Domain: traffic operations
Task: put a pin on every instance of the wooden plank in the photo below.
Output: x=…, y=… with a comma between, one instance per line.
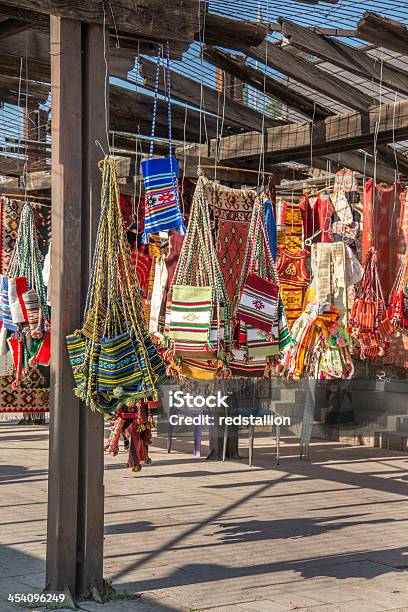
x=66, y=303
x=272, y=87
x=384, y=32
x=331, y=135
x=232, y=34
x=129, y=107
x=34, y=46
x=364, y=164
x=91, y=425
x=12, y=26
x=189, y=91
x=346, y=57
x=36, y=20
x=342, y=32
x=164, y=19
x=310, y=75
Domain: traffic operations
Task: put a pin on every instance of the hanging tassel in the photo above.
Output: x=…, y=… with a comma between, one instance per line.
x=42, y=355
x=112, y=442
x=16, y=348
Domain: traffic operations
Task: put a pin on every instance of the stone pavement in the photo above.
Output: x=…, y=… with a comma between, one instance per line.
x=194, y=535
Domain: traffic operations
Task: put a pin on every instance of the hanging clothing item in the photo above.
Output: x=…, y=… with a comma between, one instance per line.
x=270, y=226
x=175, y=246
x=142, y=262
x=322, y=212
x=320, y=349
x=294, y=279
x=291, y=233
x=402, y=231
x=317, y=214
x=380, y=227
x=329, y=276
x=342, y=207
x=160, y=280
x=345, y=180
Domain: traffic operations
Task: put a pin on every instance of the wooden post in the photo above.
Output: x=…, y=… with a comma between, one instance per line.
x=66, y=86
x=76, y=493
x=91, y=490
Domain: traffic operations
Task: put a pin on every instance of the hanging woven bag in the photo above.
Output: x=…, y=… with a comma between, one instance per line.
x=259, y=298
x=160, y=176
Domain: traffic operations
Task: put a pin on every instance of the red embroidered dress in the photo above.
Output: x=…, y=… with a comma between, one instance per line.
x=293, y=279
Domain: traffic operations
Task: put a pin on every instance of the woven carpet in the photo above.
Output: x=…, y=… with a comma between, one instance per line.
x=231, y=211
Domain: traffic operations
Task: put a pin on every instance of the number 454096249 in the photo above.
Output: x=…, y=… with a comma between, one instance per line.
x=36, y=597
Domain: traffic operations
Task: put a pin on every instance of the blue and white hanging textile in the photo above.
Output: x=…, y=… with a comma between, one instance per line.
x=160, y=177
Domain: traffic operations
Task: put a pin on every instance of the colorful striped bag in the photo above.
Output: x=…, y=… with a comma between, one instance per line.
x=259, y=299
x=258, y=305
x=160, y=177
x=191, y=313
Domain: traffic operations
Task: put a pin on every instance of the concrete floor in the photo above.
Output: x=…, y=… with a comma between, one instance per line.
x=191, y=535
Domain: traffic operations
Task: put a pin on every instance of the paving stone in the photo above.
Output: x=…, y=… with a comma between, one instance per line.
x=191, y=535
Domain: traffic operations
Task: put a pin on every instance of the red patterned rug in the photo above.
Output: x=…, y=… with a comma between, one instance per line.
x=231, y=211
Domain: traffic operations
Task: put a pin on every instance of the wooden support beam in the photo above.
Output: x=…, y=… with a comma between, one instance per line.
x=163, y=19
x=384, y=32
x=188, y=91
x=91, y=425
x=75, y=494
x=11, y=26
x=31, y=93
x=66, y=303
x=34, y=19
x=38, y=60
x=331, y=135
x=359, y=162
x=232, y=34
x=272, y=87
x=346, y=57
x=310, y=75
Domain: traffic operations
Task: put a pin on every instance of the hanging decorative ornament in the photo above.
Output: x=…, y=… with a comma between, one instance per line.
x=160, y=175
x=113, y=358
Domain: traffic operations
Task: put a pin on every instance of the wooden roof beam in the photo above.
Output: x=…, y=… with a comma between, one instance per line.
x=11, y=26
x=331, y=135
x=189, y=91
x=353, y=60
x=384, y=32
x=309, y=74
x=272, y=87
x=230, y=33
x=164, y=19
